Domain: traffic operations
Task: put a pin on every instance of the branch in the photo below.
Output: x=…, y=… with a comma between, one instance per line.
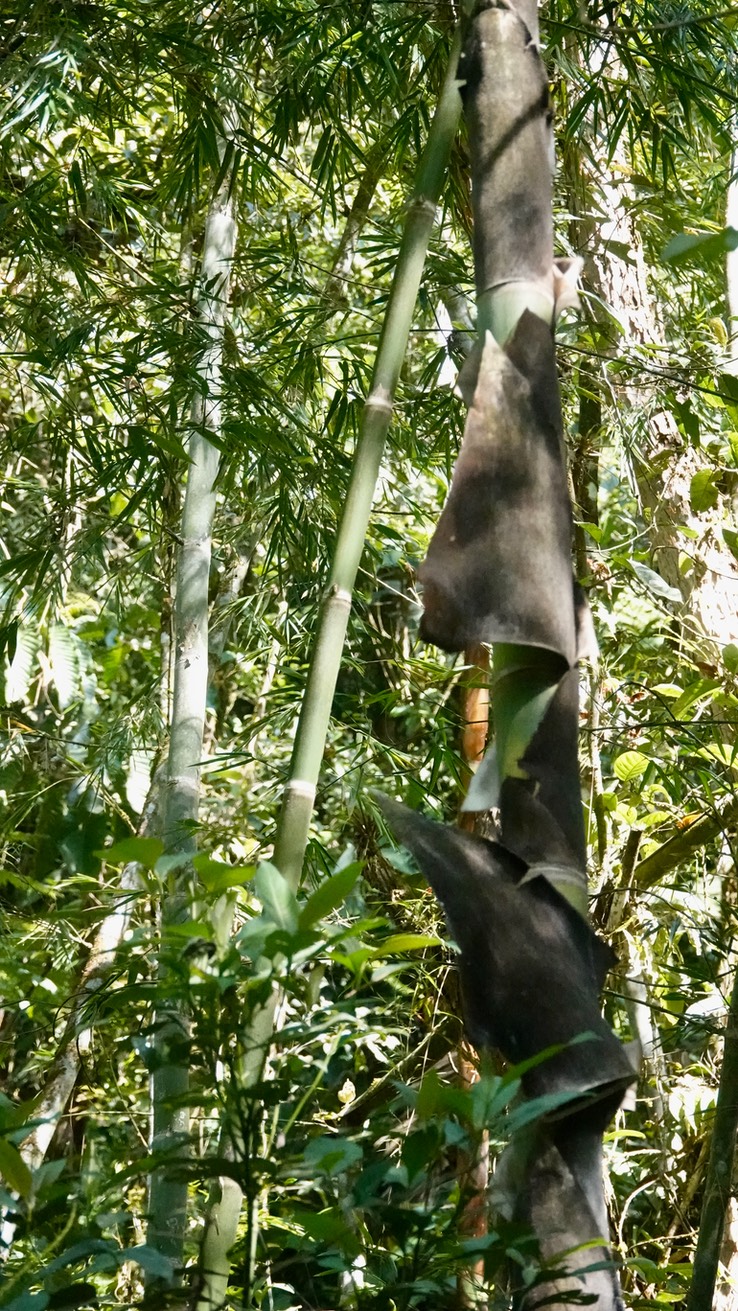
x=696, y=833
x=335, y=286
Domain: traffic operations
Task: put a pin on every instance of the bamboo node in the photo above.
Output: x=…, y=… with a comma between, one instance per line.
x=379, y=401
x=301, y=788
x=340, y=595
x=424, y=205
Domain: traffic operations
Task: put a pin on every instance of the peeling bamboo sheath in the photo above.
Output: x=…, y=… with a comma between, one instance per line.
x=499, y=571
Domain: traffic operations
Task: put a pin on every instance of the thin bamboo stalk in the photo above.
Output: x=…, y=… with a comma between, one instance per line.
x=167, y=1203
x=312, y=728
x=719, y=1176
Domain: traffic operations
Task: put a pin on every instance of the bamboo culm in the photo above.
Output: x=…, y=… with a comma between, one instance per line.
x=312, y=728
x=167, y=1204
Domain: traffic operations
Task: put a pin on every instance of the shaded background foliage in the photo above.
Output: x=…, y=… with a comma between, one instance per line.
x=113, y=120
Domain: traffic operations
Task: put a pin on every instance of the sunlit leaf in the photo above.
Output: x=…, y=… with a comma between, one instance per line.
x=276, y=896
x=654, y=582
x=630, y=765
x=331, y=894
x=218, y=877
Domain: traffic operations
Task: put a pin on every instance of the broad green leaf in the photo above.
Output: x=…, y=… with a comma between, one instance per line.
x=144, y=851
x=420, y=1148
x=592, y=530
x=329, y=1228
x=722, y=752
x=701, y=689
x=655, y=817
x=332, y=1155
x=700, y=246
x=654, y=582
x=14, y=1169
x=630, y=765
x=438, y=1098
x=276, y=896
x=401, y=942
x=27, y=1302
x=190, y=929
x=703, y=494
x=331, y=894
x=217, y=876
x=150, y=1260
x=82, y=1251
x=490, y=1095
x=11, y=1113
x=171, y=862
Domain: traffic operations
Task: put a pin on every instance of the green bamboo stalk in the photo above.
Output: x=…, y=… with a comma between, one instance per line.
x=221, y=1227
x=719, y=1177
x=307, y=755
x=312, y=728
x=167, y=1203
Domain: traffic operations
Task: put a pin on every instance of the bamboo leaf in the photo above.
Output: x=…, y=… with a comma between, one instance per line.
x=331, y=894
x=150, y=1260
x=14, y=1169
x=700, y=246
x=64, y=663
x=276, y=896
x=218, y=877
x=145, y=851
